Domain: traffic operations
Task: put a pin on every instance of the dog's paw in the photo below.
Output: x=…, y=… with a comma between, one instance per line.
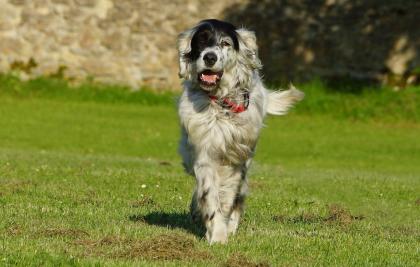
x=219, y=237
x=217, y=233
x=233, y=222
x=232, y=227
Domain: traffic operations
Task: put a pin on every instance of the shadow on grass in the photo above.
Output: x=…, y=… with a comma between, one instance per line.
x=172, y=220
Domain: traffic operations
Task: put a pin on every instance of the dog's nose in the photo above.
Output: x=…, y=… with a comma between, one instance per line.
x=210, y=58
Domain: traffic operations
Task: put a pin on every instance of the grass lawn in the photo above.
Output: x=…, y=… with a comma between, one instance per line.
x=87, y=181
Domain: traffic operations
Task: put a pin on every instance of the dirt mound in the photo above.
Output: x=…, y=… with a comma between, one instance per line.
x=161, y=247
x=240, y=260
x=336, y=214
x=63, y=232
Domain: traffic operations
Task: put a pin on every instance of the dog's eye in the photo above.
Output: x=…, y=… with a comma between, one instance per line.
x=225, y=44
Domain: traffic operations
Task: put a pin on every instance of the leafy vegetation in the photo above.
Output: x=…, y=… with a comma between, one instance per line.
x=59, y=89
x=341, y=100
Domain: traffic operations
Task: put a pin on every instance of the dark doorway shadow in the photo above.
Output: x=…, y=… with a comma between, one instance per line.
x=170, y=220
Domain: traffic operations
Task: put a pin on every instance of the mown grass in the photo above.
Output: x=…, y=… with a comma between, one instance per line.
x=93, y=178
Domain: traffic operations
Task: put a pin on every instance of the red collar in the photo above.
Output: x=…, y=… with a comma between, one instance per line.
x=232, y=106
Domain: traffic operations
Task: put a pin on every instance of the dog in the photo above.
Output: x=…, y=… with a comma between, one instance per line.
x=221, y=110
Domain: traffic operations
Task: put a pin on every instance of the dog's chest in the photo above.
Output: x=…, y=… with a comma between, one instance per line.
x=226, y=137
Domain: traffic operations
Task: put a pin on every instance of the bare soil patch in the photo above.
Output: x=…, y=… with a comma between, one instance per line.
x=162, y=247
x=14, y=186
x=63, y=232
x=240, y=260
x=336, y=214
x=145, y=201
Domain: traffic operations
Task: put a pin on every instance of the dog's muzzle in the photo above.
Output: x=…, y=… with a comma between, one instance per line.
x=209, y=78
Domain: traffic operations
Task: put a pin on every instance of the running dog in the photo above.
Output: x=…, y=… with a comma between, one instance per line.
x=221, y=111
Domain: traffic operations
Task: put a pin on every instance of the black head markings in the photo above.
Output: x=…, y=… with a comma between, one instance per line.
x=208, y=34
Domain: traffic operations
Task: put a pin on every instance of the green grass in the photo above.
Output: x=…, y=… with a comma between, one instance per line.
x=340, y=100
x=59, y=89
x=93, y=178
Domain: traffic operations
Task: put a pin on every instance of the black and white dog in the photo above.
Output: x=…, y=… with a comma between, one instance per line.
x=221, y=110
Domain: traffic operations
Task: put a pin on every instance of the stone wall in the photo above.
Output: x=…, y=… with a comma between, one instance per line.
x=373, y=40
x=123, y=41
x=133, y=41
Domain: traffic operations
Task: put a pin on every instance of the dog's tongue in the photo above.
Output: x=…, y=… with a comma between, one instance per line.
x=209, y=78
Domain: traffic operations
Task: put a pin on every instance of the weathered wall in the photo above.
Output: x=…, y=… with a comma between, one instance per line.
x=365, y=39
x=133, y=41
x=128, y=41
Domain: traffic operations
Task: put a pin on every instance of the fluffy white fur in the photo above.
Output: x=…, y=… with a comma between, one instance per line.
x=217, y=146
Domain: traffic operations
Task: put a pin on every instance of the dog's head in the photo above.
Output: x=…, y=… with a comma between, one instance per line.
x=215, y=54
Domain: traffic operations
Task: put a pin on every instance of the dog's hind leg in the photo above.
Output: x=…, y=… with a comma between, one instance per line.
x=207, y=201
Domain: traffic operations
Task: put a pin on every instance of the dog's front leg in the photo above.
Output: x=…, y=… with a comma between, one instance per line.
x=237, y=208
x=232, y=193
x=207, y=198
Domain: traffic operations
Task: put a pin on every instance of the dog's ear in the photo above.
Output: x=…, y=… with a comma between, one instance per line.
x=184, y=47
x=248, y=48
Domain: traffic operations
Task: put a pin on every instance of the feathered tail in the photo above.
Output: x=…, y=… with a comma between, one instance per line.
x=279, y=102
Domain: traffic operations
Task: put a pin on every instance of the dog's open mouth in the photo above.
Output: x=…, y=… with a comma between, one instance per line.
x=209, y=78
